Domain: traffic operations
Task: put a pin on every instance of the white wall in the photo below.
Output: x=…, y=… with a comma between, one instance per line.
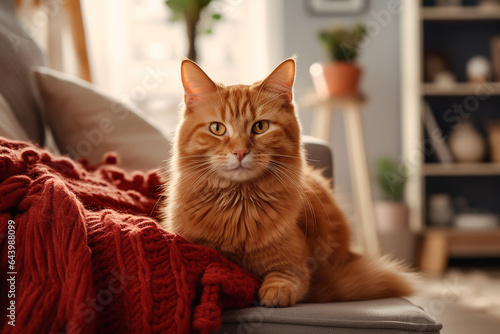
x=380, y=82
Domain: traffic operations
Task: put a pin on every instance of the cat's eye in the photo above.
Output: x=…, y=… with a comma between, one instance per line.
x=260, y=127
x=217, y=128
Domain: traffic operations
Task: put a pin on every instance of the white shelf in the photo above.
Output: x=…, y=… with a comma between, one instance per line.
x=461, y=169
x=462, y=89
x=458, y=13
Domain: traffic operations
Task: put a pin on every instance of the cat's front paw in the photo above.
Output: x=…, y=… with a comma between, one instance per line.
x=282, y=295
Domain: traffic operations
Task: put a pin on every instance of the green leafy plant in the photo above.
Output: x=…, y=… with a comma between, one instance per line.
x=191, y=12
x=391, y=178
x=342, y=44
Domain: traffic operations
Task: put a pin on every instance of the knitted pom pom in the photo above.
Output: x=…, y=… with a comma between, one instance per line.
x=30, y=156
x=111, y=158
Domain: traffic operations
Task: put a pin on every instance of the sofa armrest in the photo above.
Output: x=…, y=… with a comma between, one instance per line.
x=319, y=155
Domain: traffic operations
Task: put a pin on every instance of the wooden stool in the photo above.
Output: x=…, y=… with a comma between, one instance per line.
x=360, y=175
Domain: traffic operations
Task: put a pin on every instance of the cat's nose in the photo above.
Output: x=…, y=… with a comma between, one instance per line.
x=240, y=154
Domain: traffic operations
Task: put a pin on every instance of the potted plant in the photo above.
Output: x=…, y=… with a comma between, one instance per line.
x=340, y=75
x=391, y=211
x=191, y=12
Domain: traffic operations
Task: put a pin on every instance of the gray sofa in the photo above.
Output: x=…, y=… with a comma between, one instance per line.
x=25, y=116
x=382, y=316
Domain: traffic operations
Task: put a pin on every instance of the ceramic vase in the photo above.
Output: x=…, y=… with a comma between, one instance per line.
x=440, y=210
x=478, y=69
x=467, y=144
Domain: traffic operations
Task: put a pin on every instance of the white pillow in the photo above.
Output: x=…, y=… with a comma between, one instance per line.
x=87, y=123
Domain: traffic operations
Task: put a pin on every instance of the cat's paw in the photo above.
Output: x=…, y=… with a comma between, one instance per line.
x=282, y=295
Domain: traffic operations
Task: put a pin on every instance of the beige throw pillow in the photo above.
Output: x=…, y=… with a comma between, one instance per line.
x=87, y=123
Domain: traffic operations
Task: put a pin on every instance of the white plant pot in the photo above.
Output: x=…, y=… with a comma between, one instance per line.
x=396, y=239
x=391, y=216
x=400, y=245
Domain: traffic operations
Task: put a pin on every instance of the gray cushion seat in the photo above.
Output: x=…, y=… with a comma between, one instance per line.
x=391, y=315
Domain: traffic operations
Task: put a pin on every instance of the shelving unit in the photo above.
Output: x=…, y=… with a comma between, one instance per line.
x=463, y=32
x=455, y=169
x=461, y=89
x=459, y=13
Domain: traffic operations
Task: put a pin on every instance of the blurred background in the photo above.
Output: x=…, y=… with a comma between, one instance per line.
x=128, y=41
x=406, y=93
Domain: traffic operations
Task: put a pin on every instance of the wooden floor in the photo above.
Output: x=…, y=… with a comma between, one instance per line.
x=448, y=308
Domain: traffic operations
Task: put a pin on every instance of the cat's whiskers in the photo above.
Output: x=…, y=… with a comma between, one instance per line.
x=301, y=174
x=194, y=156
x=163, y=170
x=156, y=204
x=304, y=200
x=188, y=193
x=167, y=170
x=280, y=155
x=192, y=167
x=211, y=170
x=178, y=182
x=286, y=156
x=282, y=173
x=309, y=204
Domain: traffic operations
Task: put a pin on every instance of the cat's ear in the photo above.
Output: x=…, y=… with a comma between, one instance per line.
x=196, y=83
x=281, y=79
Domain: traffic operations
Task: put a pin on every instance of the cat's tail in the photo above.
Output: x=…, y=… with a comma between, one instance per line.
x=362, y=278
x=369, y=278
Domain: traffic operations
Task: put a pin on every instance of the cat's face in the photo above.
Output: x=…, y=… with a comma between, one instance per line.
x=241, y=132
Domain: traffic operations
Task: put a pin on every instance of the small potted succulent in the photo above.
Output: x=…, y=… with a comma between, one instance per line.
x=340, y=75
x=391, y=210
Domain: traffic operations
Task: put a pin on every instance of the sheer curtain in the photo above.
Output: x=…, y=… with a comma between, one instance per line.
x=135, y=51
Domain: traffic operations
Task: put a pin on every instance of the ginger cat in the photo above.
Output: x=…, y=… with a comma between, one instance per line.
x=239, y=183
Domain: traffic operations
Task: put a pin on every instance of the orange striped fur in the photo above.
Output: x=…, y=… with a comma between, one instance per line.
x=253, y=197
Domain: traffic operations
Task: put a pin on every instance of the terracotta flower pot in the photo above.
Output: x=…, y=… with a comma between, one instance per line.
x=338, y=78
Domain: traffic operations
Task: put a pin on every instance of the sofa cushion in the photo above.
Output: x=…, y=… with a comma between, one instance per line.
x=87, y=123
x=19, y=53
x=319, y=155
x=9, y=124
x=391, y=315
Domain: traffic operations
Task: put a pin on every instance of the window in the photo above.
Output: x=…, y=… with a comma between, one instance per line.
x=135, y=51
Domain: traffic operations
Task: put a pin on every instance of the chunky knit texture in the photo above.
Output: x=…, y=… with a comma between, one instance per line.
x=89, y=258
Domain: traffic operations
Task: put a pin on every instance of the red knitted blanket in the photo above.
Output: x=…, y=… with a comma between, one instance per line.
x=80, y=253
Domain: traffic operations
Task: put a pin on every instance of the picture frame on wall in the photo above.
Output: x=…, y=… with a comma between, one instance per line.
x=335, y=7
